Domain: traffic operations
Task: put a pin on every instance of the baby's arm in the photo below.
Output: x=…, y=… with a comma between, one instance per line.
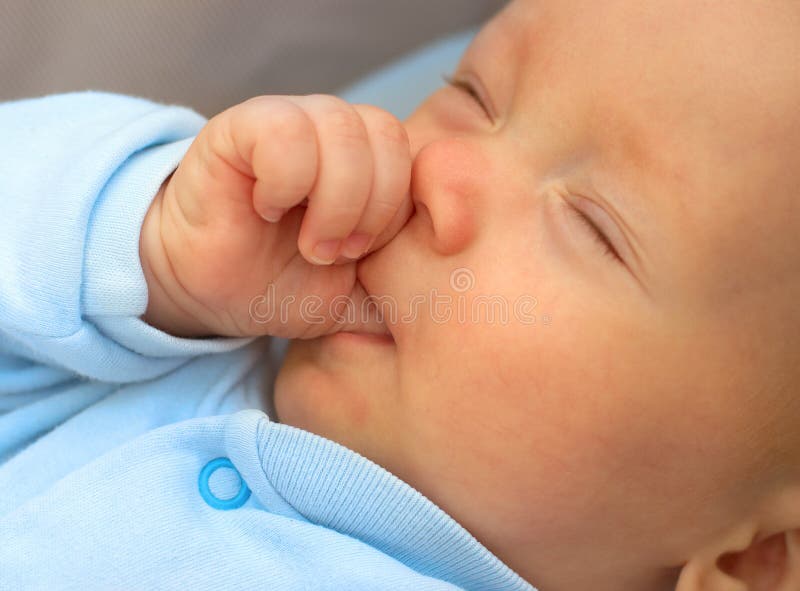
x=226, y=226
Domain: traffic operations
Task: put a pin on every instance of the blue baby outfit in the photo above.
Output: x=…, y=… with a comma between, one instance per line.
x=131, y=459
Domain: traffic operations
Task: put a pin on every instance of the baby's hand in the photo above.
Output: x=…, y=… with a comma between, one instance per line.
x=229, y=228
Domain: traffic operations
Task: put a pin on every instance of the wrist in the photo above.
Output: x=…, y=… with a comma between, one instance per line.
x=167, y=308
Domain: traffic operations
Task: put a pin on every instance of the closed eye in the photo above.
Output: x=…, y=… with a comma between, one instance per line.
x=600, y=239
x=466, y=86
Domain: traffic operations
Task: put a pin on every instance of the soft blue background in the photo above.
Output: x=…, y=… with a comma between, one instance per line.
x=389, y=88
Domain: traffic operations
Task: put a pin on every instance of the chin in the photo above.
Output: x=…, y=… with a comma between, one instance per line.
x=324, y=386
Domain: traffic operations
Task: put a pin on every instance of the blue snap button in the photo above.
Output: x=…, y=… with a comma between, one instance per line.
x=213, y=501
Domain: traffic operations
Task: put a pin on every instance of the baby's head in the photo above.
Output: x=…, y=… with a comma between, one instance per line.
x=603, y=413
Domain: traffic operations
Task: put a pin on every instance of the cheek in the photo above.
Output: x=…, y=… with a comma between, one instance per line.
x=547, y=427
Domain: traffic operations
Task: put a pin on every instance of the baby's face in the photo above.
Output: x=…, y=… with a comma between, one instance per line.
x=590, y=402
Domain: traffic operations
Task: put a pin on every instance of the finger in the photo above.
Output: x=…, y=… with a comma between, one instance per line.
x=399, y=220
x=391, y=177
x=277, y=139
x=344, y=177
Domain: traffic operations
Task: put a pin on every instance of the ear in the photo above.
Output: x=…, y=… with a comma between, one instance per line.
x=760, y=555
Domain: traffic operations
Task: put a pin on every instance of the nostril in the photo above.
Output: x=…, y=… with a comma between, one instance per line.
x=422, y=209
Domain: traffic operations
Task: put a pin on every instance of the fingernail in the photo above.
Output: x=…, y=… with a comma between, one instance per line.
x=356, y=245
x=325, y=252
x=273, y=214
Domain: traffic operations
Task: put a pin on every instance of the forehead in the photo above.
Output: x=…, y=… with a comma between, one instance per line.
x=656, y=77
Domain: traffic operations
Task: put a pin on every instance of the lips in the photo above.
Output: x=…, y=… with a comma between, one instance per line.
x=368, y=321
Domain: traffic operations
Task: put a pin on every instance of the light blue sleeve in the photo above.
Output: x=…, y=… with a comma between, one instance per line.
x=79, y=172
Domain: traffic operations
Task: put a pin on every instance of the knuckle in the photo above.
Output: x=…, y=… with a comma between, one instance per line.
x=275, y=118
x=216, y=148
x=344, y=123
x=256, y=101
x=387, y=127
x=287, y=123
x=386, y=203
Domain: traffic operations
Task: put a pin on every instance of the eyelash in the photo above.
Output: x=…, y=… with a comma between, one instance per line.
x=465, y=86
x=600, y=239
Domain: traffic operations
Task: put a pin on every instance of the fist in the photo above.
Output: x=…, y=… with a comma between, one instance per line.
x=281, y=194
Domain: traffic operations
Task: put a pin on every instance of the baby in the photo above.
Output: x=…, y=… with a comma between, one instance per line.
x=603, y=208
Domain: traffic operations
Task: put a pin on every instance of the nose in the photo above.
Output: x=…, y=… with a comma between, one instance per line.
x=448, y=179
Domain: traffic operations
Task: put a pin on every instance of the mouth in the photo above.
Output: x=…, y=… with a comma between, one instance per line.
x=369, y=320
